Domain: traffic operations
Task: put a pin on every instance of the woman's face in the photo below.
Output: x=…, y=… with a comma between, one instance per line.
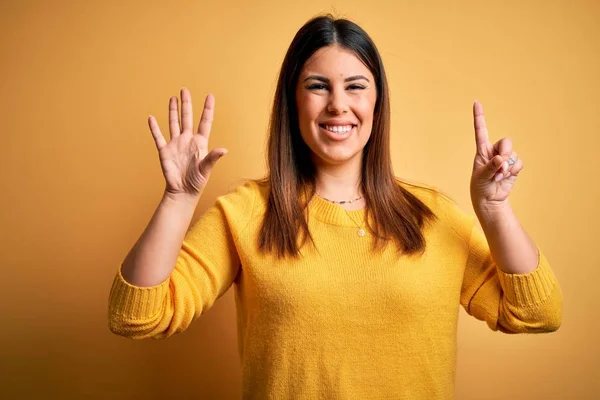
x=335, y=97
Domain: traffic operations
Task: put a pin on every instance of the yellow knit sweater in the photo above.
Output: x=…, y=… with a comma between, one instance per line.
x=346, y=323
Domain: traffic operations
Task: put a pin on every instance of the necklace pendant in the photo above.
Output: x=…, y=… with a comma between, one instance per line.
x=361, y=232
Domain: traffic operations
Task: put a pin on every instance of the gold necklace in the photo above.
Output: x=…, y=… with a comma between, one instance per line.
x=361, y=232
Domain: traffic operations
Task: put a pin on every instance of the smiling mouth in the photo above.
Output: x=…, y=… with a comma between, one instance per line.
x=337, y=128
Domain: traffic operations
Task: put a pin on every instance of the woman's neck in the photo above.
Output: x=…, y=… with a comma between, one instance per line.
x=340, y=182
x=340, y=186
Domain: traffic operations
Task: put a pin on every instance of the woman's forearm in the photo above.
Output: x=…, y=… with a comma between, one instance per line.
x=511, y=247
x=152, y=259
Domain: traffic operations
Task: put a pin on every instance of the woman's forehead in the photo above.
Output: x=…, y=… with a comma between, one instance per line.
x=334, y=63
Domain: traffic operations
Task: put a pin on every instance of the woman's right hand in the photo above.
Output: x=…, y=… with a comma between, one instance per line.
x=185, y=160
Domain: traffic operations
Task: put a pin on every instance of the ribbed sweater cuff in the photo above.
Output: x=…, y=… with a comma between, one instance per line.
x=529, y=289
x=135, y=302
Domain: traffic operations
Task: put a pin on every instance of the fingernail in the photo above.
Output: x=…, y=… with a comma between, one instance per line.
x=498, y=177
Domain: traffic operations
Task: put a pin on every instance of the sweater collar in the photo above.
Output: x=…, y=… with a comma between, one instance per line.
x=335, y=214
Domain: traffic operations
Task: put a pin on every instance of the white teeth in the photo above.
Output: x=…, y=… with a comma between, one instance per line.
x=338, y=129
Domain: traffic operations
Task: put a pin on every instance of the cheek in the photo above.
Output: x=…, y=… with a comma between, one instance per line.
x=365, y=107
x=310, y=107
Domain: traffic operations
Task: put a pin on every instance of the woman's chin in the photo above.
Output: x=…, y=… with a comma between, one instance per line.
x=337, y=158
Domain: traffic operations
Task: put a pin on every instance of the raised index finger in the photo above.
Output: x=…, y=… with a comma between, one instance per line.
x=207, y=116
x=481, y=133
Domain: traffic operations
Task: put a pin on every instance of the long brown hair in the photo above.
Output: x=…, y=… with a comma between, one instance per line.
x=291, y=176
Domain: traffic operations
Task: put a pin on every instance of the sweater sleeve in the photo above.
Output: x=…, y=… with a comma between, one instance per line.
x=206, y=267
x=510, y=303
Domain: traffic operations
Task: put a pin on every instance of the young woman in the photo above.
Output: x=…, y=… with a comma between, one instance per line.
x=348, y=281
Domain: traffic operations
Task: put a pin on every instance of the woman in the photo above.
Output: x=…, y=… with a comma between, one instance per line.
x=348, y=281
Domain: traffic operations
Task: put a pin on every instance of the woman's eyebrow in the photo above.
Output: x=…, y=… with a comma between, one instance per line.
x=326, y=80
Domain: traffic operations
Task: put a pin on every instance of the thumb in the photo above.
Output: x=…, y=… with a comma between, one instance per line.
x=492, y=168
x=208, y=162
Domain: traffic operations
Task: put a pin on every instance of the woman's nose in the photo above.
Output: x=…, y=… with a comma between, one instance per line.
x=337, y=103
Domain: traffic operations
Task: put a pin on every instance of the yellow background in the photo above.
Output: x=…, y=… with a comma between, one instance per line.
x=80, y=176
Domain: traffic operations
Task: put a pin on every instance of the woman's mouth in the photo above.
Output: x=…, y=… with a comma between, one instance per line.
x=337, y=132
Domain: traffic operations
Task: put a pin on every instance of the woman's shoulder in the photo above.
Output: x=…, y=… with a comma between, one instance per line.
x=242, y=189
x=245, y=192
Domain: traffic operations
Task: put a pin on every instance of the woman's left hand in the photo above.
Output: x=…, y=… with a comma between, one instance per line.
x=495, y=168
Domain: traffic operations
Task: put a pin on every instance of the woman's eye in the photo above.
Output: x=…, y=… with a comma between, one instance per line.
x=317, y=86
x=320, y=86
